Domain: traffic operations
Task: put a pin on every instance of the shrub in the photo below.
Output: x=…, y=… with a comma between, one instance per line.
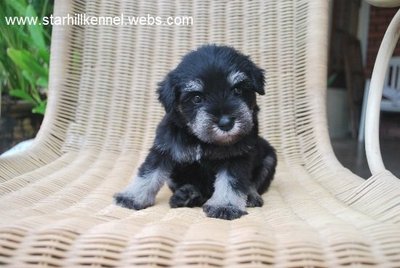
x=24, y=52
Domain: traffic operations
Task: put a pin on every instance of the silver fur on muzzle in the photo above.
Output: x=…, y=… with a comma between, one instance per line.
x=206, y=129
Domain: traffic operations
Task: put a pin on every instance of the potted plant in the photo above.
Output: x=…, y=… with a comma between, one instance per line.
x=24, y=68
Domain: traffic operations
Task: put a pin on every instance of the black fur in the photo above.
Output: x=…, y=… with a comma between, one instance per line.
x=223, y=171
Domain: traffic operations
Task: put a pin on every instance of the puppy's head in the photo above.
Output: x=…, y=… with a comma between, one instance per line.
x=214, y=90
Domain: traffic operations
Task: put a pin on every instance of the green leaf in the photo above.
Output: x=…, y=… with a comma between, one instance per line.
x=40, y=109
x=44, y=54
x=35, y=30
x=27, y=62
x=42, y=82
x=21, y=94
x=28, y=76
x=26, y=67
x=2, y=69
x=18, y=5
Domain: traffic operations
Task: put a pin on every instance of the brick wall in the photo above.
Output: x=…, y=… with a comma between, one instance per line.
x=378, y=23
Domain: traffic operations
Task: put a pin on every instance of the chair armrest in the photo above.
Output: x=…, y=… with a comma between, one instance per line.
x=385, y=52
x=384, y=3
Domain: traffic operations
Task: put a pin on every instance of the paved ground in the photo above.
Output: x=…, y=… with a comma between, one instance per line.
x=352, y=155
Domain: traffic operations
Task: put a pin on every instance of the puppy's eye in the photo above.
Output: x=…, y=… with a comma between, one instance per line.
x=197, y=99
x=237, y=91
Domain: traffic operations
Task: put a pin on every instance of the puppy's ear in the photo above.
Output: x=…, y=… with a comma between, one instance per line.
x=167, y=93
x=257, y=79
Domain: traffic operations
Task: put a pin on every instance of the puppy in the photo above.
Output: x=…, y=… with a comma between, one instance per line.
x=207, y=146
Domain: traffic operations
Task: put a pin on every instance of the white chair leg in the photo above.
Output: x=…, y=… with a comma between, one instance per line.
x=385, y=52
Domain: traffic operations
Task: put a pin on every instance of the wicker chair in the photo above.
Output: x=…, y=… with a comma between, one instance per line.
x=56, y=199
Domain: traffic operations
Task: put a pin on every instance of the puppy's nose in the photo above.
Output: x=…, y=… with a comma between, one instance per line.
x=226, y=123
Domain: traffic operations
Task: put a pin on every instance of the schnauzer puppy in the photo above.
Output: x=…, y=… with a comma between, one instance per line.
x=207, y=146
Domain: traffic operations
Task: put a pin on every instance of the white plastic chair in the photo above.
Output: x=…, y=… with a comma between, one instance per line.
x=372, y=114
x=391, y=92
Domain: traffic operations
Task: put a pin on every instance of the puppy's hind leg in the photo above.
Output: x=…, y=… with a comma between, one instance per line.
x=265, y=173
x=142, y=191
x=262, y=174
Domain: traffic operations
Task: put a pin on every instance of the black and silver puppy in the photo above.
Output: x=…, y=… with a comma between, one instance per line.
x=207, y=146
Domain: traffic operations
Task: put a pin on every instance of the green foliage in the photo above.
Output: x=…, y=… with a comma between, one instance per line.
x=24, y=52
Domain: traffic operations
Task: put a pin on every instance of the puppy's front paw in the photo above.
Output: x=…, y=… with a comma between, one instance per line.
x=227, y=212
x=254, y=200
x=128, y=201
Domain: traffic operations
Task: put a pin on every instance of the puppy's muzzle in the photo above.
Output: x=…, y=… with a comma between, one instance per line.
x=226, y=122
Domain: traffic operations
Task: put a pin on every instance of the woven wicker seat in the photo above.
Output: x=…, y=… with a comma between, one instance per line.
x=56, y=199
